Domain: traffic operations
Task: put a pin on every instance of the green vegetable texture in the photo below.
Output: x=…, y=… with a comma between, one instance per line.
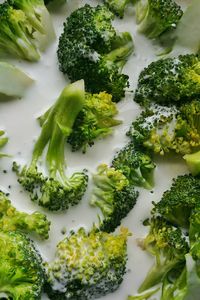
x=90, y=48
x=55, y=191
x=193, y=162
x=114, y=195
x=117, y=6
x=87, y=265
x=21, y=272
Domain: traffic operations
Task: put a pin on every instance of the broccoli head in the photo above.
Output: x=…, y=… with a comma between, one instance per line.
x=87, y=265
x=91, y=49
x=21, y=272
x=55, y=191
x=178, y=202
x=95, y=120
x=168, y=245
x=136, y=165
x=163, y=129
x=117, y=6
x=114, y=195
x=169, y=80
x=16, y=34
x=11, y=219
x=156, y=16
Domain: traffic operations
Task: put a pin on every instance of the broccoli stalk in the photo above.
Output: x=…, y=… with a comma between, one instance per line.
x=21, y=272
x=144, y=296
x=117, y=6
x=56, y=191
x=3, y=142
x=193, y=162
x=114, y=195
x=87, y=265
x=156, y=16
x=136, y=165
x=167, y=244
x=11, y=219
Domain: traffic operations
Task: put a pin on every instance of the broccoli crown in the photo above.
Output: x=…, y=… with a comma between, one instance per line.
x=169, y=80
x=177, y=203
x=136, y=165
x=156, y=16
x=55, y=191
x=163, y=129
x=95, y=120
x=114, y=195
x=169, y=247
x=21, y=272
x=16, y=33
x=87, y=265
x=11, y=219
x=90, y=48
x=117, y=6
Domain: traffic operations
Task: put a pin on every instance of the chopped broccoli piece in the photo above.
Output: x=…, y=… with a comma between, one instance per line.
x=168, y=245
x=114, y=195
x=156, y=16
x=55, y=191
x=16, y=34
x=163, y=129
x=87, y=265
x=90, y=48
x=11, y=219
x=194, y=233
x=193, y=162
x=3, y=142
x=144, y=296
x=21, y=272
x=13, y=82
x=95, y=120
x=169, y=80
x=136, y=165
x=47, y=2
x=178, y=202
x=117, y=6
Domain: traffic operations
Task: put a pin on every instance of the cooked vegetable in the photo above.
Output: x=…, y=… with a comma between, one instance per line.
x=55, y=191
x=117, y=6
x=3, y=142
x=144, y=296
x=87, y=265
x=193, y=162
x=92, y=50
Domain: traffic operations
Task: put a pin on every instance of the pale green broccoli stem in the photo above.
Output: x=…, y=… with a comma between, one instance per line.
x=123, y=47
x=193, y=162
x=144, y=296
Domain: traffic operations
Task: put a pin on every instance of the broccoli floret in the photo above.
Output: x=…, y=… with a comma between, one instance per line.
x=170, y=80
x=178, y=202
x=90, y=48
x=11, y=219
x=144, y=296
x=117, y=6
x=164, y=129
x=156, y=16
x=16, y=34
x=87, y=265
x=114, y=195
x=193, y=162
x=168, y=245
x=37, y=15
x=55, y=191
x=21, y=272
x=95, y=120
x=136, y=165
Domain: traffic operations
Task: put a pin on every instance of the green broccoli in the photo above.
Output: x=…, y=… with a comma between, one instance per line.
x=169, y=80
x=136, y=165
x=3, y=142
x=156, y=16
x=16, y=34
x=178, y=202
x=95, y=120
x=47, y=2
x=193, y=162
x=168, y=245
x=21, y=272
x=117, y=6
x=55, y=191
x=194, y=232
x=144, y=296
x=91, y=49
x=87, y=265
x=164, y=129
x=114, y=195
x=11, y=219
